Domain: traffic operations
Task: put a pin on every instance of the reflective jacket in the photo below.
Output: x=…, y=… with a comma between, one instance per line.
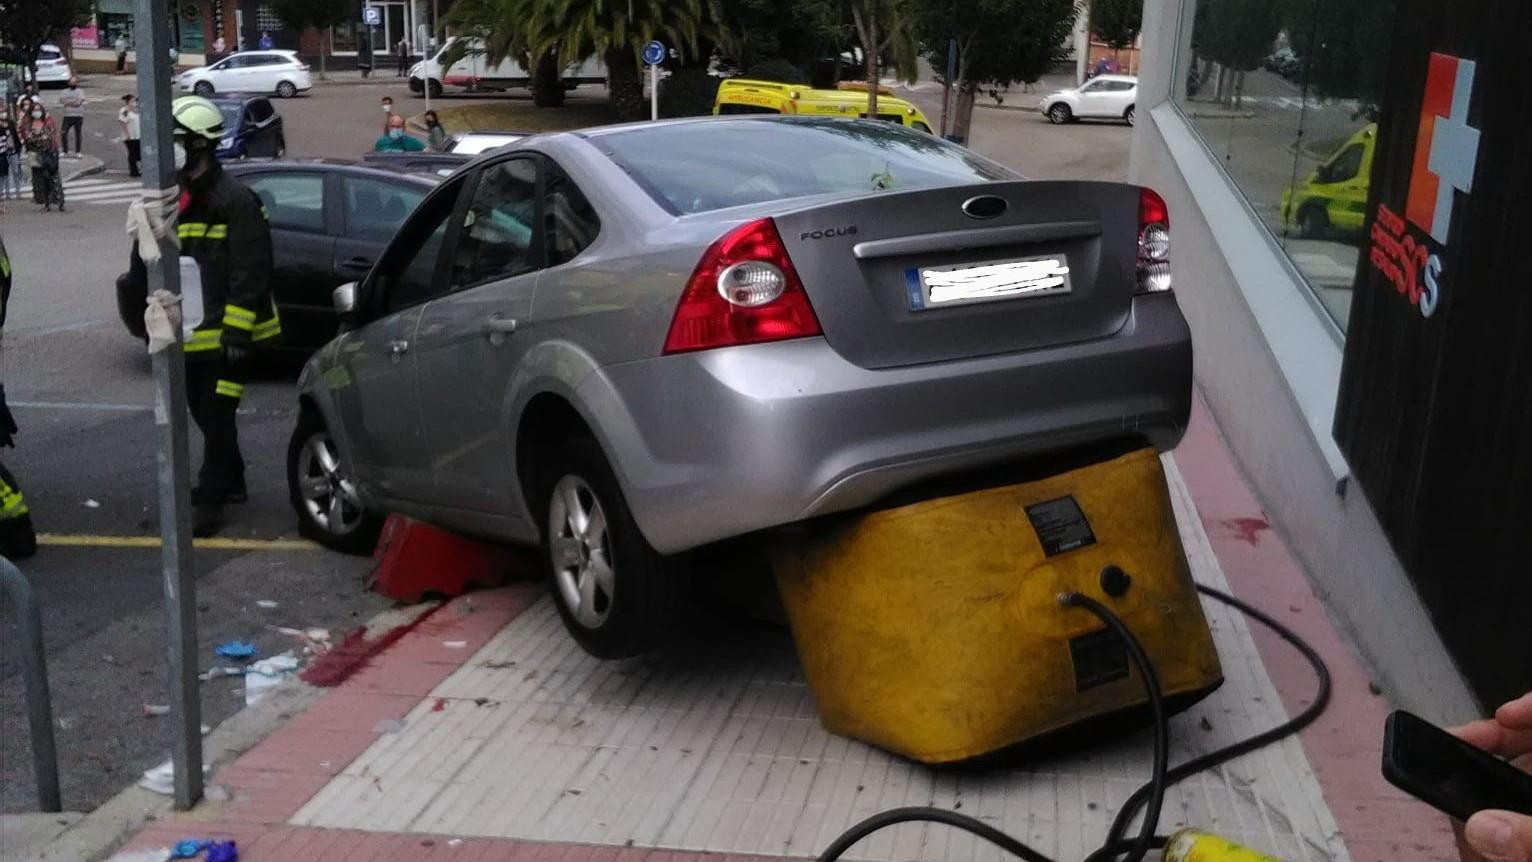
x=223, y=227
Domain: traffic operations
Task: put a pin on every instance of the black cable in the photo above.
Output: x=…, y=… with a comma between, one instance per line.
x=1115, y=842
x=1162, y=778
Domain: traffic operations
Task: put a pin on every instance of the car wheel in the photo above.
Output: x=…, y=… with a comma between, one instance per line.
x=1313, y=221
x=436, y=88
x=1128, y=115
x=1059, y=114
x=617, y=595
x=286, y=90
x=323, y=493
x=203, y=89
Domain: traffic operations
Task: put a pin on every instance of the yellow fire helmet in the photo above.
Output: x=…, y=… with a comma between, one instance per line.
x=198, y=116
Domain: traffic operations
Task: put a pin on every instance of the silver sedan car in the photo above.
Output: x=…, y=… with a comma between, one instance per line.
x=628, y=343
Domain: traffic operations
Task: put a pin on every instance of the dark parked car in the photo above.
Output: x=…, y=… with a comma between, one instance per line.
x=329, y=222
x=251, y=127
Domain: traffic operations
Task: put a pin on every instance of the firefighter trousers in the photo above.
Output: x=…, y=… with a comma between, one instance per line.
x=17, y=540
x=213, y=391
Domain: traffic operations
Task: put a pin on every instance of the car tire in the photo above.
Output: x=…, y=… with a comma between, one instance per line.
x=203, y=89
x=1059, y=114
x=1128, y=115
x=322, y=492
x=633, y=607
x=286, y=89
x=436, y=88
x=1313, y=221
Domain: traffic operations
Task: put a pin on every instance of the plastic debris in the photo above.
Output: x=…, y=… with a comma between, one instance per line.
x=92, y=504
x=389, y=725
x=454, y=842
x=218, y=670
x=162, y=779
x=222, y=851
x=267, y=674
x=454, y=644
x=152, y=710
x=188, y=849
x=268, y=604
x=237, y=650
x=159, y=854
x=217, y=793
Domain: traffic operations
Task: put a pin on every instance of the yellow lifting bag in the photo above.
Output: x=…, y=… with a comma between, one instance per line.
x=934, y=630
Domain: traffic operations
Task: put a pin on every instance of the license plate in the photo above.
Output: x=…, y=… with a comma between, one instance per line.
x=969, y=283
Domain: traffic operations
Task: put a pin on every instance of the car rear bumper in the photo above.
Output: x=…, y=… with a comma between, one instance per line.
x=721, y=443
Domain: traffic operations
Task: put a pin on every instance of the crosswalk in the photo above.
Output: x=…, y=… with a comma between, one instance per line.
x=96, y=190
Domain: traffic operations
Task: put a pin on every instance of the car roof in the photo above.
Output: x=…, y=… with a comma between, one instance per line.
x=337, y=166
x=236, y=99
x=1131, y=79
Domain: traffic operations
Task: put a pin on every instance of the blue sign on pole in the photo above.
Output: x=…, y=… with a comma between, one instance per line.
x=372, y=16
x=654, y=53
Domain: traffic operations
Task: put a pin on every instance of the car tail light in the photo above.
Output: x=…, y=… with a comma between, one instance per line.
x=743, y=291
x=1153, y=242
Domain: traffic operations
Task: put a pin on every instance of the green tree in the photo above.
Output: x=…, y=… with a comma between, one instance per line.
x=512, y=28
x=1343, y=45
x=300, y=15
x=572, y=30
x=885, y=27
x=1116, y=22
x=1236, y=34
x=801, y=32
x=26, y=25
x=999, y=42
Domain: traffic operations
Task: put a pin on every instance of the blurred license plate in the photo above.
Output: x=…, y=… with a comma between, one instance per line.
x=965, y=284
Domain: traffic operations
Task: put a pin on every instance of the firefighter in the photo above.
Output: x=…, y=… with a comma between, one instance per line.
x=17, y=540
x=222, y=226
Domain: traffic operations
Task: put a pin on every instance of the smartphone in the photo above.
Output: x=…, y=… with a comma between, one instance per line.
x=1447, y=773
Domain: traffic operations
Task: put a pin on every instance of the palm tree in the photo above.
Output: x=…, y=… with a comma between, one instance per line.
x=616, y=31
x=561, y=32
x=512, y=28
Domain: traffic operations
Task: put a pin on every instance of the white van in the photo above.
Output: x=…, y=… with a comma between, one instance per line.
x=475, y=72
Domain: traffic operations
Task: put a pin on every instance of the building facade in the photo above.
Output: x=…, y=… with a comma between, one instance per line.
x=1336, y=174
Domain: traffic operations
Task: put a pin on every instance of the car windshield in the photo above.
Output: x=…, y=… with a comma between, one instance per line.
x=696, y=167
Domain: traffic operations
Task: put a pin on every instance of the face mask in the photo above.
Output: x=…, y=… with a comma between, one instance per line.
x=396, y=134
x=388, y=109
x=37, y=115
x=179, y=152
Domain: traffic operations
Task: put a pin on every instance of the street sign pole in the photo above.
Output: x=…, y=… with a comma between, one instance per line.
x=152, y=32
x=654, y=55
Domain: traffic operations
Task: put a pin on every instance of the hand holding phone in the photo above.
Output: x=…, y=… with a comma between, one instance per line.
x=1458, y=775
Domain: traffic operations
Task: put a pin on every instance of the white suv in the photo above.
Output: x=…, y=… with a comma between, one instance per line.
x=52, y=66
x=1102, y=96
x=279, y=72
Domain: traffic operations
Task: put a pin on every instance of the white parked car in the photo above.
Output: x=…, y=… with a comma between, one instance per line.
x=52, y=66
x=1102, y=96
x=473, y=143
x=279, y=72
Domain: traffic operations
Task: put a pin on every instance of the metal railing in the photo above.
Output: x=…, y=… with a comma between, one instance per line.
x=34, y=669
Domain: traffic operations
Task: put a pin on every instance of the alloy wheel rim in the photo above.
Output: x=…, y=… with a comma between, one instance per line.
x=329, y=496
x=580, y=549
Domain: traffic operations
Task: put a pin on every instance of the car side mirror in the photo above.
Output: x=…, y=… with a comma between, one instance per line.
x=344, y=298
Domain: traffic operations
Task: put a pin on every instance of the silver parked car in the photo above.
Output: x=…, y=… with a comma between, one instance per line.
x=627, y=343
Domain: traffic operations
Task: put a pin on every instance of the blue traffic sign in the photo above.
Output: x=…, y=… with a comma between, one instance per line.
x=654, y=53
x=372, y=16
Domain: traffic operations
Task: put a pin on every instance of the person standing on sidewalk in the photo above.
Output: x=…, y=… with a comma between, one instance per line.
x=402, y=52
x=128, y=117
x=40, y=137
x=73, y=102
x=120, y=45
x=220, y=48
x=10, y=160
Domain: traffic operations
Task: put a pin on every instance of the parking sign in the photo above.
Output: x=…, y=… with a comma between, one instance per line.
x=372, y=16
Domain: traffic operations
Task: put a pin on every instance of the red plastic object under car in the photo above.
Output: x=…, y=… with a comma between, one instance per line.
x=414, y=560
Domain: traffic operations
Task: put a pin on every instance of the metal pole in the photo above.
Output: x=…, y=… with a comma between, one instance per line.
x=154, y=78
x=34, y=668
x=947, y=90
x=654, y=91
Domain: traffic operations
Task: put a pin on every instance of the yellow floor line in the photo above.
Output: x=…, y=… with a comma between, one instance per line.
x=76, y=540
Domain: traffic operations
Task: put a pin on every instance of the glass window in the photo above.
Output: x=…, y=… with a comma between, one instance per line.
x=746, y=109
x=260, y=110
x=1286, y=94
x=235, y=62
x=725, y=163
x=496, y=237
x=918, y=125
x=374, y=209
x=294, y=201
x=410, y=262
x=569, y=221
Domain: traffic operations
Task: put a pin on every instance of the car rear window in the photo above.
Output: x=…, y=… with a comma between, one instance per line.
x=702, y=166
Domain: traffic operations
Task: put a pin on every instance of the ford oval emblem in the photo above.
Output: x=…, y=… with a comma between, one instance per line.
x=984, y=206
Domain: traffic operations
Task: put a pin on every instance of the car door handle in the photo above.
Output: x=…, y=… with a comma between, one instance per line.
x=359, y=262
x=398, y=347
x=497, y=325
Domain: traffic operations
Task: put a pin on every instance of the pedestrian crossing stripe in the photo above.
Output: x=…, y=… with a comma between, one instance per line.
x=97, y=190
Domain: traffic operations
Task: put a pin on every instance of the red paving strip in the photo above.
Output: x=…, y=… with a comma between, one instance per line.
x=1377, y=822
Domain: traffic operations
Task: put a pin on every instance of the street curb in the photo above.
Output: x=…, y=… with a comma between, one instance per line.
x=98, y=834
x=86, y=170
x=1031, y=109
